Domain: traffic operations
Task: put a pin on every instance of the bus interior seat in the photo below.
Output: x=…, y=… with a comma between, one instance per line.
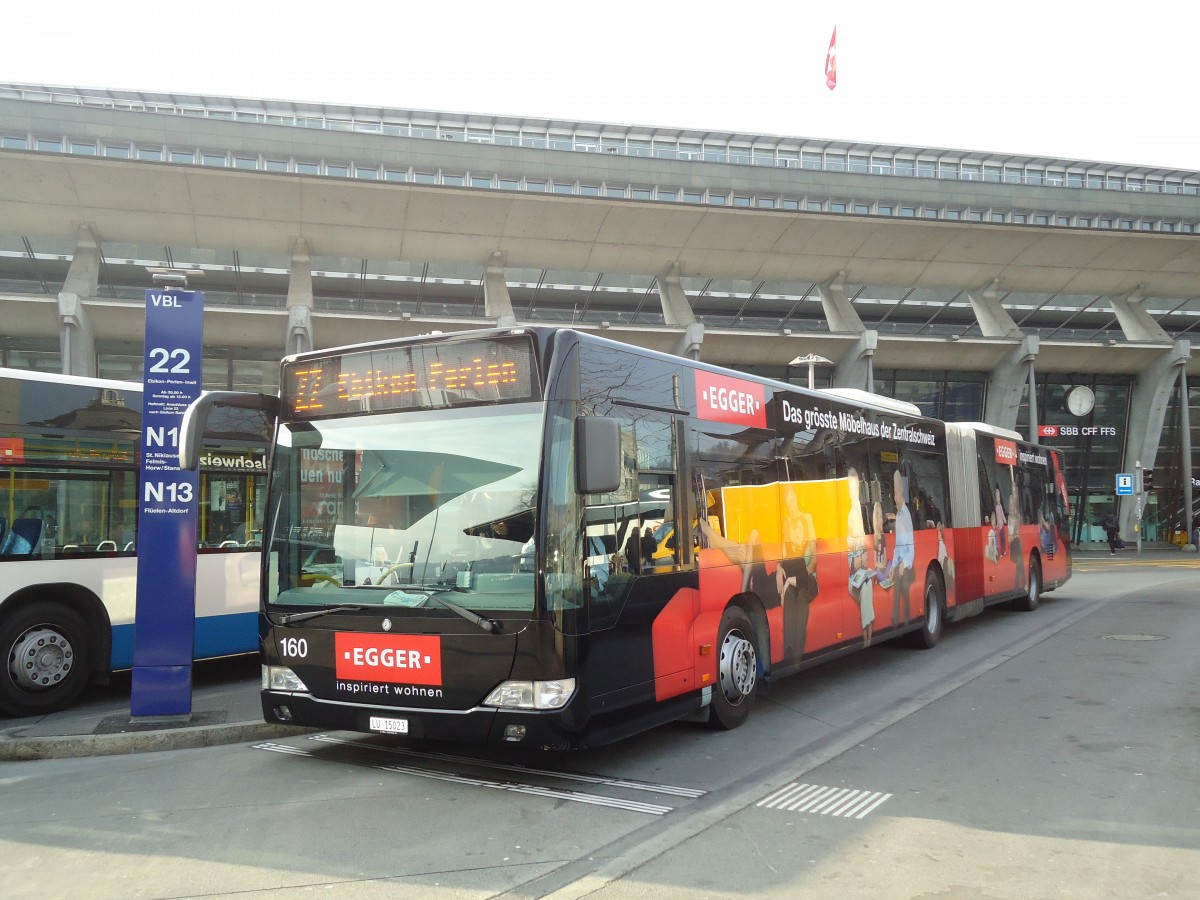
x=22, y=538
x=106, y=547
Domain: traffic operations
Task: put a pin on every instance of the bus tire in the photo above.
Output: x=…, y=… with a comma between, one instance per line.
x=46, y=654
x=1029, y=601
x=737, y=670
x=927, y=636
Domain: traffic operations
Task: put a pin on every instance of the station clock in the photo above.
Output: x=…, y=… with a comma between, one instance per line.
x=1080, y=400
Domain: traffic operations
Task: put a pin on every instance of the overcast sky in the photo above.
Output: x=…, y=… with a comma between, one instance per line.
x=1080, y=80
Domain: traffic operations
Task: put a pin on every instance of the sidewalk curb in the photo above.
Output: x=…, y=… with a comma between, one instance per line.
x=75, y=746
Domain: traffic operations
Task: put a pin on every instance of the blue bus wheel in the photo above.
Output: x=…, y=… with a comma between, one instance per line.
x=46, y=655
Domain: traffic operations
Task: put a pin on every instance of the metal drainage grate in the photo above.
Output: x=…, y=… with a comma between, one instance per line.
x=825, y=801
x=1133, y=637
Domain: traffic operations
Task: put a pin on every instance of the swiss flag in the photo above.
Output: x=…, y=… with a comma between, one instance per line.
x=831, y=62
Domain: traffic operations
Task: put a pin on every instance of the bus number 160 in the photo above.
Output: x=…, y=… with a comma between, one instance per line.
x=296, y=647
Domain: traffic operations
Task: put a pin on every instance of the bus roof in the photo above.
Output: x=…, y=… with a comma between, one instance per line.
x=985, y=428
x=78, y=380
x=866, y=398
x=850, y=395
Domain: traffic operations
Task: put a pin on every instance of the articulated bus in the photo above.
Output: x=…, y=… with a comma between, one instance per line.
x=540, y=537
x=69, y=452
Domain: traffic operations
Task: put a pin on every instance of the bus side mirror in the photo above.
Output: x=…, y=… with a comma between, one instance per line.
x=195, y=420
x=597, y=455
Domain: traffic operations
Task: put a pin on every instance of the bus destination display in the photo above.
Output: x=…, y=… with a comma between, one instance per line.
x=429, y=376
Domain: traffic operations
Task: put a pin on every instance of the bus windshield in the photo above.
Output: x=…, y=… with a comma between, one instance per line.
x=398, y=509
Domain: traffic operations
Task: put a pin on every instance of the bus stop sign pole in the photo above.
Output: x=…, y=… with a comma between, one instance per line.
x=164, y=629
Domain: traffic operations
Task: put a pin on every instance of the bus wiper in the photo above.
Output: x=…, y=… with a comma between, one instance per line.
x=292, y=618
x=491, y=627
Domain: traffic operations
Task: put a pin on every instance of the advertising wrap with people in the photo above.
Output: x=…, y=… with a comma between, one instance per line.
x=860, y=546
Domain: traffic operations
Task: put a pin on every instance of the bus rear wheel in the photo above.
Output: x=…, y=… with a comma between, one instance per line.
x=46, y=657
x=737, y=670
x=927, y=636
x=1029, y=601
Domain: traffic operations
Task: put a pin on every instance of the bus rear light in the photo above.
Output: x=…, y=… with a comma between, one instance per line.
x=281, y=678
x=532, y=694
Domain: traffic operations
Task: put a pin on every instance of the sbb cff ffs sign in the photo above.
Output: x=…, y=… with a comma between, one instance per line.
x=1053, y=431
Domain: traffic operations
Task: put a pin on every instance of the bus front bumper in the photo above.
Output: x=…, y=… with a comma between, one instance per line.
x=480, y=725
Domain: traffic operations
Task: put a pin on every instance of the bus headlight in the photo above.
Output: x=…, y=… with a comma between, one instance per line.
x=281, y=678
x=532, y=694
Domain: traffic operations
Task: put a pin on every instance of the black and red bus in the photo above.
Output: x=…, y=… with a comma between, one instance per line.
x=538, y=536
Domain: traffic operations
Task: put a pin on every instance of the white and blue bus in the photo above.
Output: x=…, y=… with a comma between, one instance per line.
x=68, y=534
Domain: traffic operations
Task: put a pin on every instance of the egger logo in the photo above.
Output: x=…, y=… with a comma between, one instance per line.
x=1006, y=452
x=723, y=399
x=395, y=658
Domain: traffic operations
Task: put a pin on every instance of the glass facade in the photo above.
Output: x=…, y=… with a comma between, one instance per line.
x=1093, y=446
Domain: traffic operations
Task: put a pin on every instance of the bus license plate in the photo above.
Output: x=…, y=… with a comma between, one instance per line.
x=389, y=726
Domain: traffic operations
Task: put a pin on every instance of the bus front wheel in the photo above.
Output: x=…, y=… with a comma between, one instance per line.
x=46, y=659
x=737, y=670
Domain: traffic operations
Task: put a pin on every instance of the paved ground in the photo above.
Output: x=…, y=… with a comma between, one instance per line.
x=225, y=710
x=225, y=699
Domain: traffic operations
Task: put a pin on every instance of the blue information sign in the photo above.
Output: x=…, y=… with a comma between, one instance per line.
x=1124, y=484
x=164, y=630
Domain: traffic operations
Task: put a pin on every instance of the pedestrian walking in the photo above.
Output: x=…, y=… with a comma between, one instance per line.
x=1112, y=528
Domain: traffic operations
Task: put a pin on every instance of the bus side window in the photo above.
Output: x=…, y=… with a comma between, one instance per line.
x=659, y=544
x=22, y=538
x=987, y=500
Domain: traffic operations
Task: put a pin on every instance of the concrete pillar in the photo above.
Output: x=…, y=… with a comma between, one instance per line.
x=1185, y=453
x=496, y=300
x=839, y=311
x=299, y=329
x=856, y=368
x=675, y=306
x=1007, y=381
x=994, y=320
x=1148, y=402
x=300, y=301
x=75, y=335
x=1033, y=407
x=690, y=341
x=1135, y=322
